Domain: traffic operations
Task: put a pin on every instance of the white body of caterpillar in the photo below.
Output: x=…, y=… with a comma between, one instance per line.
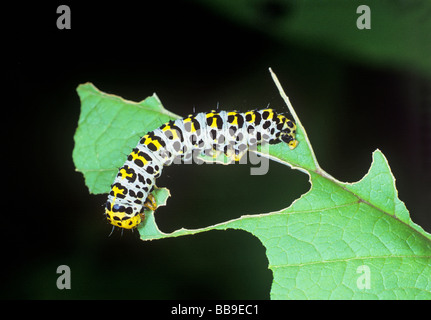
x=228, y=132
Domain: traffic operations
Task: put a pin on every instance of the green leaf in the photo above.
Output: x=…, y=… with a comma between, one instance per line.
x=109, y=127
x=338, y=241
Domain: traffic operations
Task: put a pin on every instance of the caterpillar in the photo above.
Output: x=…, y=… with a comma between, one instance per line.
x=209, y=133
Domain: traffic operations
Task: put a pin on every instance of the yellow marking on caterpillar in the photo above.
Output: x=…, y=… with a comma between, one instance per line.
x=172, y=131
x=292, y=144
x=192, y=125
x=129, y=223
x=211, y=116
x=117, y=191
x=271, y=113
x=126, y=224
x=148, y=141
x=235, y=117
x=124, y=174
x=137, y=156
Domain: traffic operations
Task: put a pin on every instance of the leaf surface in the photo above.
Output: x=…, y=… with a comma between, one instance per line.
x=109, y=127
x=338, y=241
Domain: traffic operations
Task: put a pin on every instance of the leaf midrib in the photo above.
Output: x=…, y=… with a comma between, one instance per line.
x=327, y=176
x=319, y=171
x=350, y=259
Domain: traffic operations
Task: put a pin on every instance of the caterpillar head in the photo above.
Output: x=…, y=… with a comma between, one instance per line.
x=122, y=215
x=288, y=133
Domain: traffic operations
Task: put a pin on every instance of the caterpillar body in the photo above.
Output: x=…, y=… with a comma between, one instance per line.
x=228, y=132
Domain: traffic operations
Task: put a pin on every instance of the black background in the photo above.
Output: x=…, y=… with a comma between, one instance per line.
x=192, y=57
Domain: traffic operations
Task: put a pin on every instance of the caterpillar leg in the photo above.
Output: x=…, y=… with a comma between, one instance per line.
x=235, y=155
x=238, y=155
x=151, y=203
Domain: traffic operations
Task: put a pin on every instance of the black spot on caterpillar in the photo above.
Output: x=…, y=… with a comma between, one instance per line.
x=228, y=132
